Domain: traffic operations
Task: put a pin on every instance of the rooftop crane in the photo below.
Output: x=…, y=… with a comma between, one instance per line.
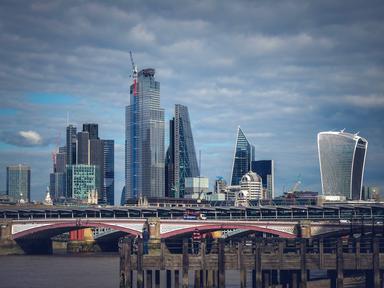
x=134, y=74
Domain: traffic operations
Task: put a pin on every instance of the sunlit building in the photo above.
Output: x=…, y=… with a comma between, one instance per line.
x=19, y=183
x=342, y=159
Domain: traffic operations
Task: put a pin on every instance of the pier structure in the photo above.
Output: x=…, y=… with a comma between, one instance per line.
x=272, y=262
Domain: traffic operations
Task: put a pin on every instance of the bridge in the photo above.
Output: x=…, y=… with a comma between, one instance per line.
x=33, y=227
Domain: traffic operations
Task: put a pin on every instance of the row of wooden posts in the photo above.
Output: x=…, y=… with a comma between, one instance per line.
x=210, y=270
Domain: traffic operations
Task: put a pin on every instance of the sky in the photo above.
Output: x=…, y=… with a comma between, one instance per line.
x=281, y=70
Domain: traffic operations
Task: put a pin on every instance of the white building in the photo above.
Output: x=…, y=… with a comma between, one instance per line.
x=196, y=187
x=252, y=184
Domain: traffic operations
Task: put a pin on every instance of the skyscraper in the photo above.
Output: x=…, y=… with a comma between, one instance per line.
x=266, y=170
x=342, y=160
x=181, y=159
x=71, y=145
x=19, y=183
x=144, y=138
x=92, y=129
x=96, y=157
x=82, y=148
x=109, y=171
x=243, y=155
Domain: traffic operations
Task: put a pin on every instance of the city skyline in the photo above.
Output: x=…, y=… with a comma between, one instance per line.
x=282, y=71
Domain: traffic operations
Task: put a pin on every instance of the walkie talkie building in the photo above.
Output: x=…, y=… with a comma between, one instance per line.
x=342, y=160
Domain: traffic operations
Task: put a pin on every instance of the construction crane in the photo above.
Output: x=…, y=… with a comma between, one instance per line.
x=134, y=74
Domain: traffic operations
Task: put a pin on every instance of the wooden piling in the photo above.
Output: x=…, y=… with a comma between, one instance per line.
x=339, y=264
x=258, y=268
x=140, y=272
x=303, y=263
x=185, y=263
x=149, y=279
x=376, y=262
x=221, y=263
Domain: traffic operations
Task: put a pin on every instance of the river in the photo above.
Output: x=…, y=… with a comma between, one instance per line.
x=60, y=271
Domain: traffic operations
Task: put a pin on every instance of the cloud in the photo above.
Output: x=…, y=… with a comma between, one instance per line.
x=23, y=138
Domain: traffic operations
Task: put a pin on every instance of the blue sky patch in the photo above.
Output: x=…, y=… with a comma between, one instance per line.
x=50, y=98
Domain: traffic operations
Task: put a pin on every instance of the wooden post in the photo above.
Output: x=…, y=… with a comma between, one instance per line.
x=321, y=253
x=258, y=268
x=140, y=276
x=203, y=264
x=339, y=264
x=303, y=264
x=149, y=279
x=157, y=278
x=357, y=254
x=162, y=250
x=376, y=263
x=210, y=276
x=185, y=263
x=177, y=279
x=240, y=260
x=127, y=244
x=221, y=264
x=168, y=278
x=197, y=278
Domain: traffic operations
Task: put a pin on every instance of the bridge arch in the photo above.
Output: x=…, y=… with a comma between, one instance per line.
x=215, y=227
x=50, y=230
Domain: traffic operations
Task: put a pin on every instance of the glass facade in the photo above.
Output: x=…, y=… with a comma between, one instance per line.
x=181, y=159
x=265, y=169
x=342, y=160
x=19, y=183
x=243, y=155
x=82, y=181
x=144, y=139
x=109, y=170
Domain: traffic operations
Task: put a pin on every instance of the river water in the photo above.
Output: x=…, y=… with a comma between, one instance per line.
x=60, y=271
x=78, y=271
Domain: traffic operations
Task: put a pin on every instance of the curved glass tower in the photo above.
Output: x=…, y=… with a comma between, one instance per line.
x=342, y=160
x=243, y=155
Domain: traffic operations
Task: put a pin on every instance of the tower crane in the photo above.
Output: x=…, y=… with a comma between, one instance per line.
x=134, y=74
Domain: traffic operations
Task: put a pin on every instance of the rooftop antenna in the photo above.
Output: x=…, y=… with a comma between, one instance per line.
x=67, y=118
x=357, y=133
x=342, y=131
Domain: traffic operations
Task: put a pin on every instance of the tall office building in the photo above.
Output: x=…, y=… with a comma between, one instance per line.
x=342, y=160
x=96, y=157
x=144, y=138
x=92, y=129
x=71, y=145
x=19, y=183
x=243, y=155
x=109, y=171
x=181, y=159
x=266, y=170
x=82, y=148
x=251, y=186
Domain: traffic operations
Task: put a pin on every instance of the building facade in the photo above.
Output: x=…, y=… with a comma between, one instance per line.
x=181, y=159
x=266, y=170
x=242, y=157
x=253, y=185
x=109, y=171
x=71, y=144
x=82, y=182
x=19, y=183
x=342, y=160
x=196, y=187
x=144, y=139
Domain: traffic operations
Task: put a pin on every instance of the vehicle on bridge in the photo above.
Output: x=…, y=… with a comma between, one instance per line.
x=192, y=215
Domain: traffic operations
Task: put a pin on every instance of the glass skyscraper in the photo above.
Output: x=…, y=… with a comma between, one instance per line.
x=109, y=170
x=144, y=139
x=181, y=159
x=243, y=155
x=82, y=180
x=265, y=169
x=19, y=183
x=342, y=160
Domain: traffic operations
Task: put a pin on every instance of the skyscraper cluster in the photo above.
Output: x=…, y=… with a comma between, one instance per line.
x=148, y=172
x=83, y=170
